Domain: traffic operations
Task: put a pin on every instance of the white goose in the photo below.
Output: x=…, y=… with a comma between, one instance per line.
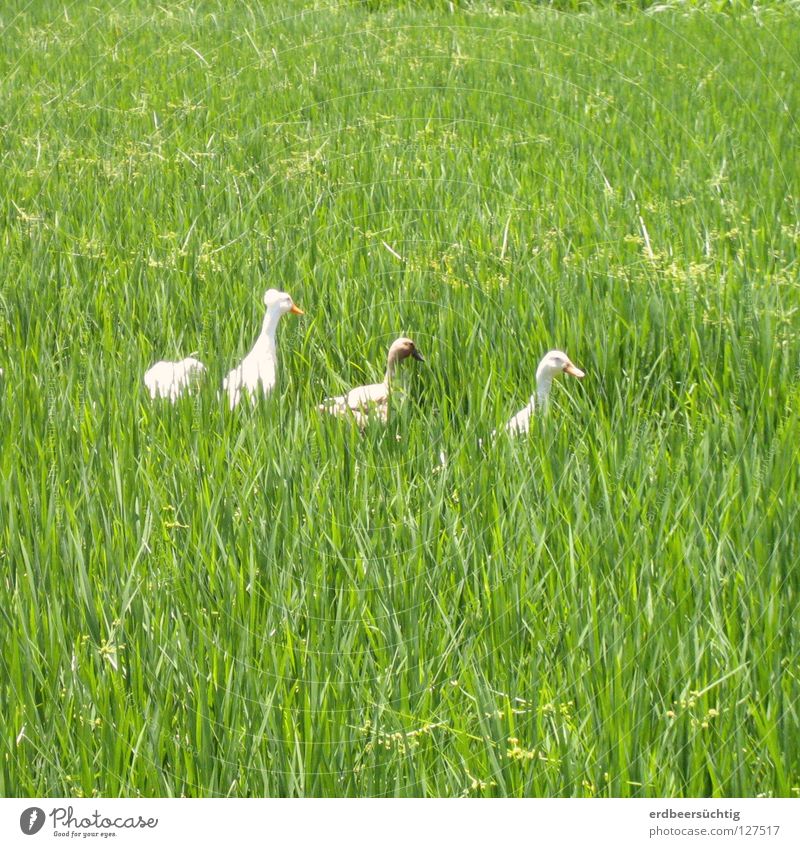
x=260, y=365
x=554, y=363
x=365, y=400
x=171, y=379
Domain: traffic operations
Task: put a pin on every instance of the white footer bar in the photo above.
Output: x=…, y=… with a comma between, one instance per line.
x=405, y=823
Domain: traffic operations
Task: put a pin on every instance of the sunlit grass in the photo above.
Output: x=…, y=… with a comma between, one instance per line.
x=199, y=602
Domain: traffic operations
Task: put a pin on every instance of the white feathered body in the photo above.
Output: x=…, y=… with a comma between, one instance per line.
x=170, y=379
x=361, y=403
x=520, y=424
x=257, y=372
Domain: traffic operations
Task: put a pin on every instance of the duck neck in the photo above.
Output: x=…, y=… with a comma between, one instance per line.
x=266, y=340
x=544, y=382
x=391, y=364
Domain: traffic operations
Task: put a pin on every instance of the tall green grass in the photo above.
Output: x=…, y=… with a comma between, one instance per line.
x=199, y=602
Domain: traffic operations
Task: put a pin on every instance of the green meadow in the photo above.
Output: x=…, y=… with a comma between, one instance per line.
x=265, y=602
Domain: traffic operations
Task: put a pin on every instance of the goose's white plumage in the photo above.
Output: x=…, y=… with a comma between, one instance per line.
x=552, y=364
x=259, y=368
x=170, y=379
x=364, y=401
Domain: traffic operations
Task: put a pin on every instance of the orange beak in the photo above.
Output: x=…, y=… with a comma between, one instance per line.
x=296, y=310
x=573, y=371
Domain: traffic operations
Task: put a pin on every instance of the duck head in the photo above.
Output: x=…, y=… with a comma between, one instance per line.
x=280, y=302
x=555, y=363
x=402, y=348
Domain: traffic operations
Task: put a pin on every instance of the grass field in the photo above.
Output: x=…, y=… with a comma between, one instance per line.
x=205, y=603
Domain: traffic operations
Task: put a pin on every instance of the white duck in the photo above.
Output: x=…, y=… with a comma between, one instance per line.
x=366, y=400
x=260, y=365
x=554, y=363
x=170, y=379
